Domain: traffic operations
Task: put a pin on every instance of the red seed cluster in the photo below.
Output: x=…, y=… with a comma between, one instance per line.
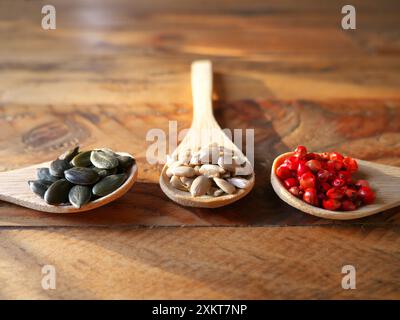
x=325, y=180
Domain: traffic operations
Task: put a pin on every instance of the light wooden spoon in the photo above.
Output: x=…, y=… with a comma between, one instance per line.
x=384, y=180
x=14, y=188
x=203, y=122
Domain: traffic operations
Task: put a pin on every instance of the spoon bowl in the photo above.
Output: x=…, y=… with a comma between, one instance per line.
x=14, y=188
x=384, y=180
x=203, y=132
x=185, y=199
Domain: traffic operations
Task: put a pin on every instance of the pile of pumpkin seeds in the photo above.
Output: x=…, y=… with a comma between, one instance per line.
x=210, y=171
x=76, y=178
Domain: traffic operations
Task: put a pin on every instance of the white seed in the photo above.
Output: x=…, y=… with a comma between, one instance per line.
x=211, y=170
x=197, y=170
x=228, y=163
x=169, y=172
x=209, y=155
x=177, y=183
x=240, y=183
x=226, y=175
x=204, y=155
x=187, y=181
x=239, y=160
x=245, y=170
x=173, y=165
x=195, y=160
x=218, y=192
x=212, y=190
x=185, y=156
x=176, y=164
x=214, y=155
x=225, y=185
x=183, y=171
x=200, y=186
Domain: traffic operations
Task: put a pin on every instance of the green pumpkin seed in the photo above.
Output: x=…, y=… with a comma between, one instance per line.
x=81, y=175
x=70, y=154
x=74, y=177
x=103, y=160
x=108, y=184
x=57, y=193
x=101, y=172
x=79, y=195
x=44, y=174
x=94, y=197
x=108, y=151
x=39, y=187
x=82, y=159
x=104, y=172
x=113, y=171
x=125, y=162
x=57, y=167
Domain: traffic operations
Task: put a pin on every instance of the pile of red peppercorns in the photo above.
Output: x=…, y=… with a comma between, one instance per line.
x=324, y=180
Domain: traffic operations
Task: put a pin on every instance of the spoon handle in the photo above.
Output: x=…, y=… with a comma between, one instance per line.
x=202, y=95
x=14, y=184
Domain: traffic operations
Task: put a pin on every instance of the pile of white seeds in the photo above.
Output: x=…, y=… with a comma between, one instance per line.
x=212, y=171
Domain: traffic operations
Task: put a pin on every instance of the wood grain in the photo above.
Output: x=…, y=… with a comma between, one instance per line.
x=279, y=127
x=192, y=263
x=115, y=69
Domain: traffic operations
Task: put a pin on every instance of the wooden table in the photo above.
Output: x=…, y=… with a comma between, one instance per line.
x=112, y=71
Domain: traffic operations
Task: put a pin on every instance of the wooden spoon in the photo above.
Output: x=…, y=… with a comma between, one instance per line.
x=204, y=122
x=384, y=180
x=14, y=188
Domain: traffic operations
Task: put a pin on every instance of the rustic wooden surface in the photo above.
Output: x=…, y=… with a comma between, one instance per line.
x=113, y=70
